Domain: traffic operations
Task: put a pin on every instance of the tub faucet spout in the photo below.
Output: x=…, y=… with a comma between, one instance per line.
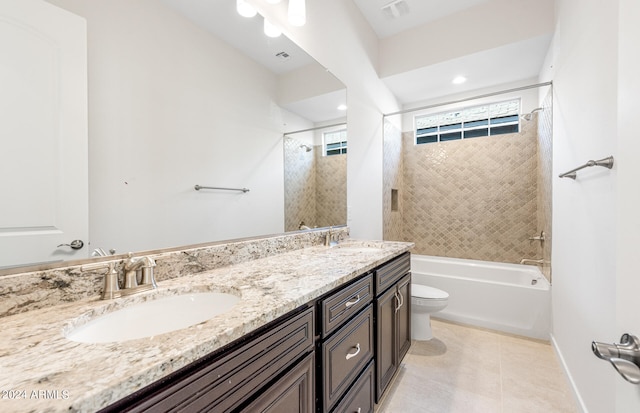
x=530, y=261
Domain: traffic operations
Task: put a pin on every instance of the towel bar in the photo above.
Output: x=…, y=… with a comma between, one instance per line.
x=606, y=162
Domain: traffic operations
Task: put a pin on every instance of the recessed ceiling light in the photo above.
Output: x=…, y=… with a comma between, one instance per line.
x=342, y=107
x=458, y=80
x=245, y=9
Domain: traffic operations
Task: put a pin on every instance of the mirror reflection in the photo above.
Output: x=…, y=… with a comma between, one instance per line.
x=315, y=173
x=184, y=93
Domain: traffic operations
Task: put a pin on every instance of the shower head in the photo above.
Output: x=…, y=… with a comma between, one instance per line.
x=529, y=116
x=306, y=148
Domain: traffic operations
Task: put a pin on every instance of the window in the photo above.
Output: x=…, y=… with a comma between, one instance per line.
x=335, y=142
x=474, y=122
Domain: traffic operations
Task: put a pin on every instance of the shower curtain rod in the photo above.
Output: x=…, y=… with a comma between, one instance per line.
x=451, y=102
x=316, y=128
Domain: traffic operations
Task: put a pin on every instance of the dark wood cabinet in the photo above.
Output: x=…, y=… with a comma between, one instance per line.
x=360, y=397
x=386, y=361
x=393, y=320
x=346, y=341
x=223, y=381
x=292, y=393
x=343, y=304
x=345, y=355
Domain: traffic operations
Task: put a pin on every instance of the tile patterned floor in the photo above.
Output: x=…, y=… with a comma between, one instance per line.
x=468, y=370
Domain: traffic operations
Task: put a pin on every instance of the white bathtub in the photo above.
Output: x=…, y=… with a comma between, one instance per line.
x=511, y=298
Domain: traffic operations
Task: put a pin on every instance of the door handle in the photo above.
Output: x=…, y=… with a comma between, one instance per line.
x=76, y=244
x=624, y=356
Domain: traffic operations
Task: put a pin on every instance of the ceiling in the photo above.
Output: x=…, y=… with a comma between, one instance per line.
x=410, y=13
x=509, y=63
x=505, y=64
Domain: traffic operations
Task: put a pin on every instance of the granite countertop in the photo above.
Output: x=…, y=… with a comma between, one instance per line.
x=42, y=371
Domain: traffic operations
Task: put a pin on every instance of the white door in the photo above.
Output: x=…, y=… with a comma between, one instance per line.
x=628, y=187
x=43, y=133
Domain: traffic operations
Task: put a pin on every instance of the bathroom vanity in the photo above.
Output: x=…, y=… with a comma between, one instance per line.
x=274, y=369
x=307, y=334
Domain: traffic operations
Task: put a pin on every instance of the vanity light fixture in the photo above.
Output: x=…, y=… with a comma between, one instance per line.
x=271, y=30
x=297, y=13
x=458, y=80
x=245, y=9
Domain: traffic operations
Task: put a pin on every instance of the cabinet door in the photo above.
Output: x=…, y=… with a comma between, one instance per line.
x=344, y=356
x=360, y=397
x=386, y=351
x=293, y=393
x=404, y=317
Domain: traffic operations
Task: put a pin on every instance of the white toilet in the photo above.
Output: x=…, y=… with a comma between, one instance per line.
x=425, y=300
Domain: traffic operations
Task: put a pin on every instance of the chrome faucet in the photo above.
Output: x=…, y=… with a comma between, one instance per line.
x=529, y=261
x=132, y=266
x=332, y=238
x=138, y=268
x=328, y=239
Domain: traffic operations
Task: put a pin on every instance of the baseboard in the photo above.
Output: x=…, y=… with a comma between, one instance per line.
x=567, y=373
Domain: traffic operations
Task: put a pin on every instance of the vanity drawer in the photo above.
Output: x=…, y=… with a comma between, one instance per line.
x=344, y=356
x=360, y=397
x=342, y=305
x=391, y=272
x=230, y=380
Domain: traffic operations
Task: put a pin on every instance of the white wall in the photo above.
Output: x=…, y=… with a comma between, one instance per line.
x=171, y=106
x=628, y=218
x=583, y=65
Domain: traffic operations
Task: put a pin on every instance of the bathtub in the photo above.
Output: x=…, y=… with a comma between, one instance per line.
x=511, y=298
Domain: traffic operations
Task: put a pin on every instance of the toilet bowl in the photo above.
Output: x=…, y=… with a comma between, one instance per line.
x=425, y=300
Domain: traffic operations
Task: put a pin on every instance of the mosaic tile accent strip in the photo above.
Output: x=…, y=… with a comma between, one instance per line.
x=473, y=198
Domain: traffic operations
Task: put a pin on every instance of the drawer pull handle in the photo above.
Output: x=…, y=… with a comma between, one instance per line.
x=352, y=355
x=350, y=303
x=395, y=294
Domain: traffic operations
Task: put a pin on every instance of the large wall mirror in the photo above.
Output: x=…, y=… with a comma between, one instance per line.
x=181, y=93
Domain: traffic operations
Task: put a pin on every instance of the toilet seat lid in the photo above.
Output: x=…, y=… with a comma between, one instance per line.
x=424, y=291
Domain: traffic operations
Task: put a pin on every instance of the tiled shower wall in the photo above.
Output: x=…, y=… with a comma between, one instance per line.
x=331, y=189
x=299, y=185
x=473, y=198
x=315, y=187
x=544, y=196
x=393, y=180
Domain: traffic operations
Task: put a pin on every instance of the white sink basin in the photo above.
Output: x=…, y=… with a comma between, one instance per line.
x=154, y=317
